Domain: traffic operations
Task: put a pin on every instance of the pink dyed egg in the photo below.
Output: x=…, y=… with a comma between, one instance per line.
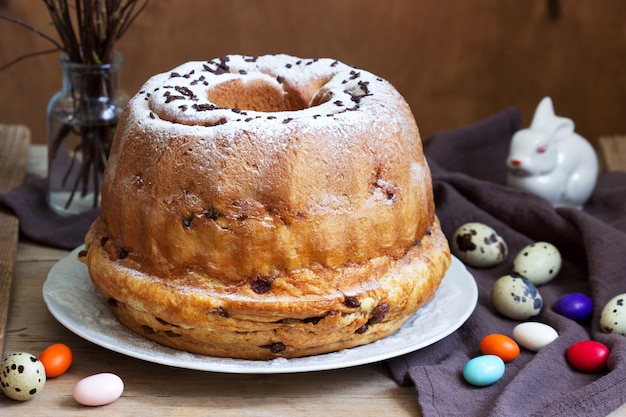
x=98, y=389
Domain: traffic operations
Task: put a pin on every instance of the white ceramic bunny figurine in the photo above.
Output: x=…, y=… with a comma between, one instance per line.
x=552, y=161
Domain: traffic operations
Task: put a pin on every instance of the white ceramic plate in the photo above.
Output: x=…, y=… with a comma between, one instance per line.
x=74, y=302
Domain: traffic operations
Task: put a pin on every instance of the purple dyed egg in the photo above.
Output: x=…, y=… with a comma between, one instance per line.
x=575, y=305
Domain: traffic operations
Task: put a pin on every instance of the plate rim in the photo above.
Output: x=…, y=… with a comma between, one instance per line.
x=456, y=272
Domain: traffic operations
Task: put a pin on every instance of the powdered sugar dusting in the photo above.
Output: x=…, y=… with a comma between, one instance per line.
x=178, y=99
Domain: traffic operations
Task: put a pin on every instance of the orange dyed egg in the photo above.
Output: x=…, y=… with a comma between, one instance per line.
x=56, y=359
x=500, y=345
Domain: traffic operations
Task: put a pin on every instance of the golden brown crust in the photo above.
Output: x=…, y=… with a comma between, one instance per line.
x=252, y=196
x=249, y=204
x=303, y=313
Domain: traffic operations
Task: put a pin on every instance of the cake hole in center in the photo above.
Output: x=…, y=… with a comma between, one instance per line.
x=263, y=95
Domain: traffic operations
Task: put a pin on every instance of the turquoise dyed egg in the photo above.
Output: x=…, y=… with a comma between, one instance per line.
x=483, y=370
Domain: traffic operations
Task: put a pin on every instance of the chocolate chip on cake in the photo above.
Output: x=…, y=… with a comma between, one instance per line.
x=261, y=285
x=379, y=313
x=351, y=302
x=277, y=347
x=211, y=213
x=312, y=320
x=221, y=312
x=362, y=329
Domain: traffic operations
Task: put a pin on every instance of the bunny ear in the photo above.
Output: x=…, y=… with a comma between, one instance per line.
x=544, y=113
x=561, y=127
x=546, y=121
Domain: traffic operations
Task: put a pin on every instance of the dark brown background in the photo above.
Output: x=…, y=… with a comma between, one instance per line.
x=454, y=61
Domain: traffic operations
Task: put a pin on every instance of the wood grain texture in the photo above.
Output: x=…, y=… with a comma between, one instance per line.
x=456, y=62
x=613, y=152
x=14, y=141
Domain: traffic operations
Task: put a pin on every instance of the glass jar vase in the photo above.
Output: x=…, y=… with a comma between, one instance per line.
x=81, y=120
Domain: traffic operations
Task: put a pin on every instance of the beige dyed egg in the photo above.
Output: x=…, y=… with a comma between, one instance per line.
x=538, y=262
x=478, y=245
x=515, y=297
x=23, y=376
x=613, y=316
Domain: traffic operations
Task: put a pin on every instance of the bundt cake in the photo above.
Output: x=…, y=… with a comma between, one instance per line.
x=263, y=207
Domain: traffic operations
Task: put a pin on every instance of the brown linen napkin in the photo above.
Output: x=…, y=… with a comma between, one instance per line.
x=468, y=176
x=42, y=225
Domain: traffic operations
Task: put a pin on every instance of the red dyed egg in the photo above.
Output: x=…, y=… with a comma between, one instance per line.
x=588, y=356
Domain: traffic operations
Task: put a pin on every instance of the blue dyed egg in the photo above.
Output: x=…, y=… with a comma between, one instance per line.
x=575, y=306
x=483, y=370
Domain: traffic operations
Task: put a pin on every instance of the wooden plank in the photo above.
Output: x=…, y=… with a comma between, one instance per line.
x=613, y=152
x=14, y=141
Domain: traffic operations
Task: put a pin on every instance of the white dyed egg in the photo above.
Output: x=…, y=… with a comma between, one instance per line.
x=538, y=262
x=613, y=316
x=479, y=245
x=533, y=335
x=23, y=376
x=515, y=297
x=98, y=389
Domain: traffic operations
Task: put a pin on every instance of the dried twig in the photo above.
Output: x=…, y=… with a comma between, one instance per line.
x=88, y=31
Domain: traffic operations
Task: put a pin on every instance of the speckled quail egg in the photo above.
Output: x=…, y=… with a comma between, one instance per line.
x=478, y=245
x=515, y=297
x=613, y=316
x=22, y=376
x=538, y=262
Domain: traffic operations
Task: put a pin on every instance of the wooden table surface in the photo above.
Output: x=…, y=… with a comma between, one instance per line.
x=152, y=389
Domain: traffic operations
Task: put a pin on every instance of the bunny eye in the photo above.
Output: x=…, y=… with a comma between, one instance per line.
x=542, y=149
